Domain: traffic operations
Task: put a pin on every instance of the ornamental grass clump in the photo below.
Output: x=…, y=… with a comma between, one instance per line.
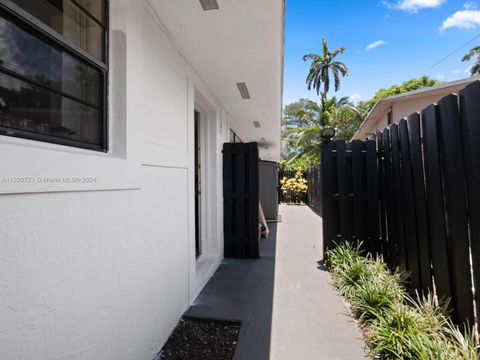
x=395, y=324
x=294, y=189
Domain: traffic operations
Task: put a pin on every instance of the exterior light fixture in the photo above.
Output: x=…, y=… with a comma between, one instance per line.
x=244, y=93
x=208, y=5
x=328, y=133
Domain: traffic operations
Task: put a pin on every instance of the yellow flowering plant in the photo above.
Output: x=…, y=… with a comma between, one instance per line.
x=294, y=189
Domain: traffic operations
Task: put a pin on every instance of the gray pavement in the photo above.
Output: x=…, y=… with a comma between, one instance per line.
x=288, y=309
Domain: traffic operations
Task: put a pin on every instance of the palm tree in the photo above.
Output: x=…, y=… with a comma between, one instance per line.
x=321, y=67
x=475, y=69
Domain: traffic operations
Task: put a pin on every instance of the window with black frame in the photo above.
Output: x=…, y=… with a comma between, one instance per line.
x=53, y=71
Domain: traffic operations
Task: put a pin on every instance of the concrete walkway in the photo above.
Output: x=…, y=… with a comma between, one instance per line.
x=288, y=309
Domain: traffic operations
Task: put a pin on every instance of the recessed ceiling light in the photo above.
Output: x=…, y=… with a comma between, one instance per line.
x=242, y=87
x=256, y=124
x=209, y=4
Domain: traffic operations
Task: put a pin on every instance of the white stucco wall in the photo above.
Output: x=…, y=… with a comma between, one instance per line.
x=104, y=270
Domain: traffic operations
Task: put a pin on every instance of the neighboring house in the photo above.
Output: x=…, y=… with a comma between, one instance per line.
x=392, y=109
x=112, y=120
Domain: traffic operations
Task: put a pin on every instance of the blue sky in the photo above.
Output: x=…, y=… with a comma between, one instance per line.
x=414, y=34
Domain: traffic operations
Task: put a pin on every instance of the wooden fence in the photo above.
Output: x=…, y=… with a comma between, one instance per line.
x=413, y=195
x=350, y=193
x=314, y=192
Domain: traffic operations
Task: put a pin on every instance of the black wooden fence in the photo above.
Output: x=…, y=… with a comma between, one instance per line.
x=413, y=195
x=350, y=193
x=314, y=192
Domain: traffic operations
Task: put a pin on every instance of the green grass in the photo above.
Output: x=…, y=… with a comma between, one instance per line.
x=397, y=326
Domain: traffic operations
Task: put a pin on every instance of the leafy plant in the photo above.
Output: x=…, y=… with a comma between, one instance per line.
x=294, y=189
x=343, y=254
x=374, y=298
x=302, y=125
x=406, y=86
x=396, y=325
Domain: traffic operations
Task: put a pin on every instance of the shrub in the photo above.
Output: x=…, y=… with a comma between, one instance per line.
x=373, y=299
x=294, y=189
x=396, y=325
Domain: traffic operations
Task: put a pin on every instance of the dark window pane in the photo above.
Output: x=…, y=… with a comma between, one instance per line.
x=69, y=20
x=27, y=55
x=31, y=108
x=94, y=7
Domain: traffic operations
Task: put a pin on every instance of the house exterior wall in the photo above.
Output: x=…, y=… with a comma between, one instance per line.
x=407, y=107
x=404, y=107
x=104, y=269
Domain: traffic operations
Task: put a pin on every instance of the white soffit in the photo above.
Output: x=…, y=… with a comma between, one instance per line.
x=241, y=42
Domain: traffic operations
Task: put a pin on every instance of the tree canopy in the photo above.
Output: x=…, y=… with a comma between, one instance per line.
x=406, y=86
x=475, y=69
x=304, y=120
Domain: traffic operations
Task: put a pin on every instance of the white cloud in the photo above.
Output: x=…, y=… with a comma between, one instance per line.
x=468, y=18
x=414, y=5
x=375, y=45
x=467, y=70
x=456, y=71
x=355, y=97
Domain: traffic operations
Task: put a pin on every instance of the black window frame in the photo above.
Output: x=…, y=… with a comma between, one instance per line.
x=41, y=30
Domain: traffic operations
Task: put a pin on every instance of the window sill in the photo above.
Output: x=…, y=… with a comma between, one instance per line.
x=33, y=167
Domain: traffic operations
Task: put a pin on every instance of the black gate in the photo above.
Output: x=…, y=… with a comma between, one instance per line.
x=350, y=193
x=240, y=200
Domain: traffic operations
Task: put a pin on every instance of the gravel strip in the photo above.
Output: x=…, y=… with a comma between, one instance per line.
x=201, y=339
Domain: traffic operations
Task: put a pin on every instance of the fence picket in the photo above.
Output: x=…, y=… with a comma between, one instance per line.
x=455, y=204
x=358, y=190
x=372, y=191
x=382, y=197
x=435, y=203
x=398, y=197
x=327, y=194
x=346, y=223
x=420, y=202
x=470, y=123
x=392, y=234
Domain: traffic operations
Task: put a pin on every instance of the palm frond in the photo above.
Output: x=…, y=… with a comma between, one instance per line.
x=326, y=51
x=336, y=77
x=341, y=67
x=338, y=51
x=474, y=51
x=313, y=57
x=475, y=69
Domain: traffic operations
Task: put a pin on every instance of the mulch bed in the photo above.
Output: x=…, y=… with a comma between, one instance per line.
x=201, y=339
